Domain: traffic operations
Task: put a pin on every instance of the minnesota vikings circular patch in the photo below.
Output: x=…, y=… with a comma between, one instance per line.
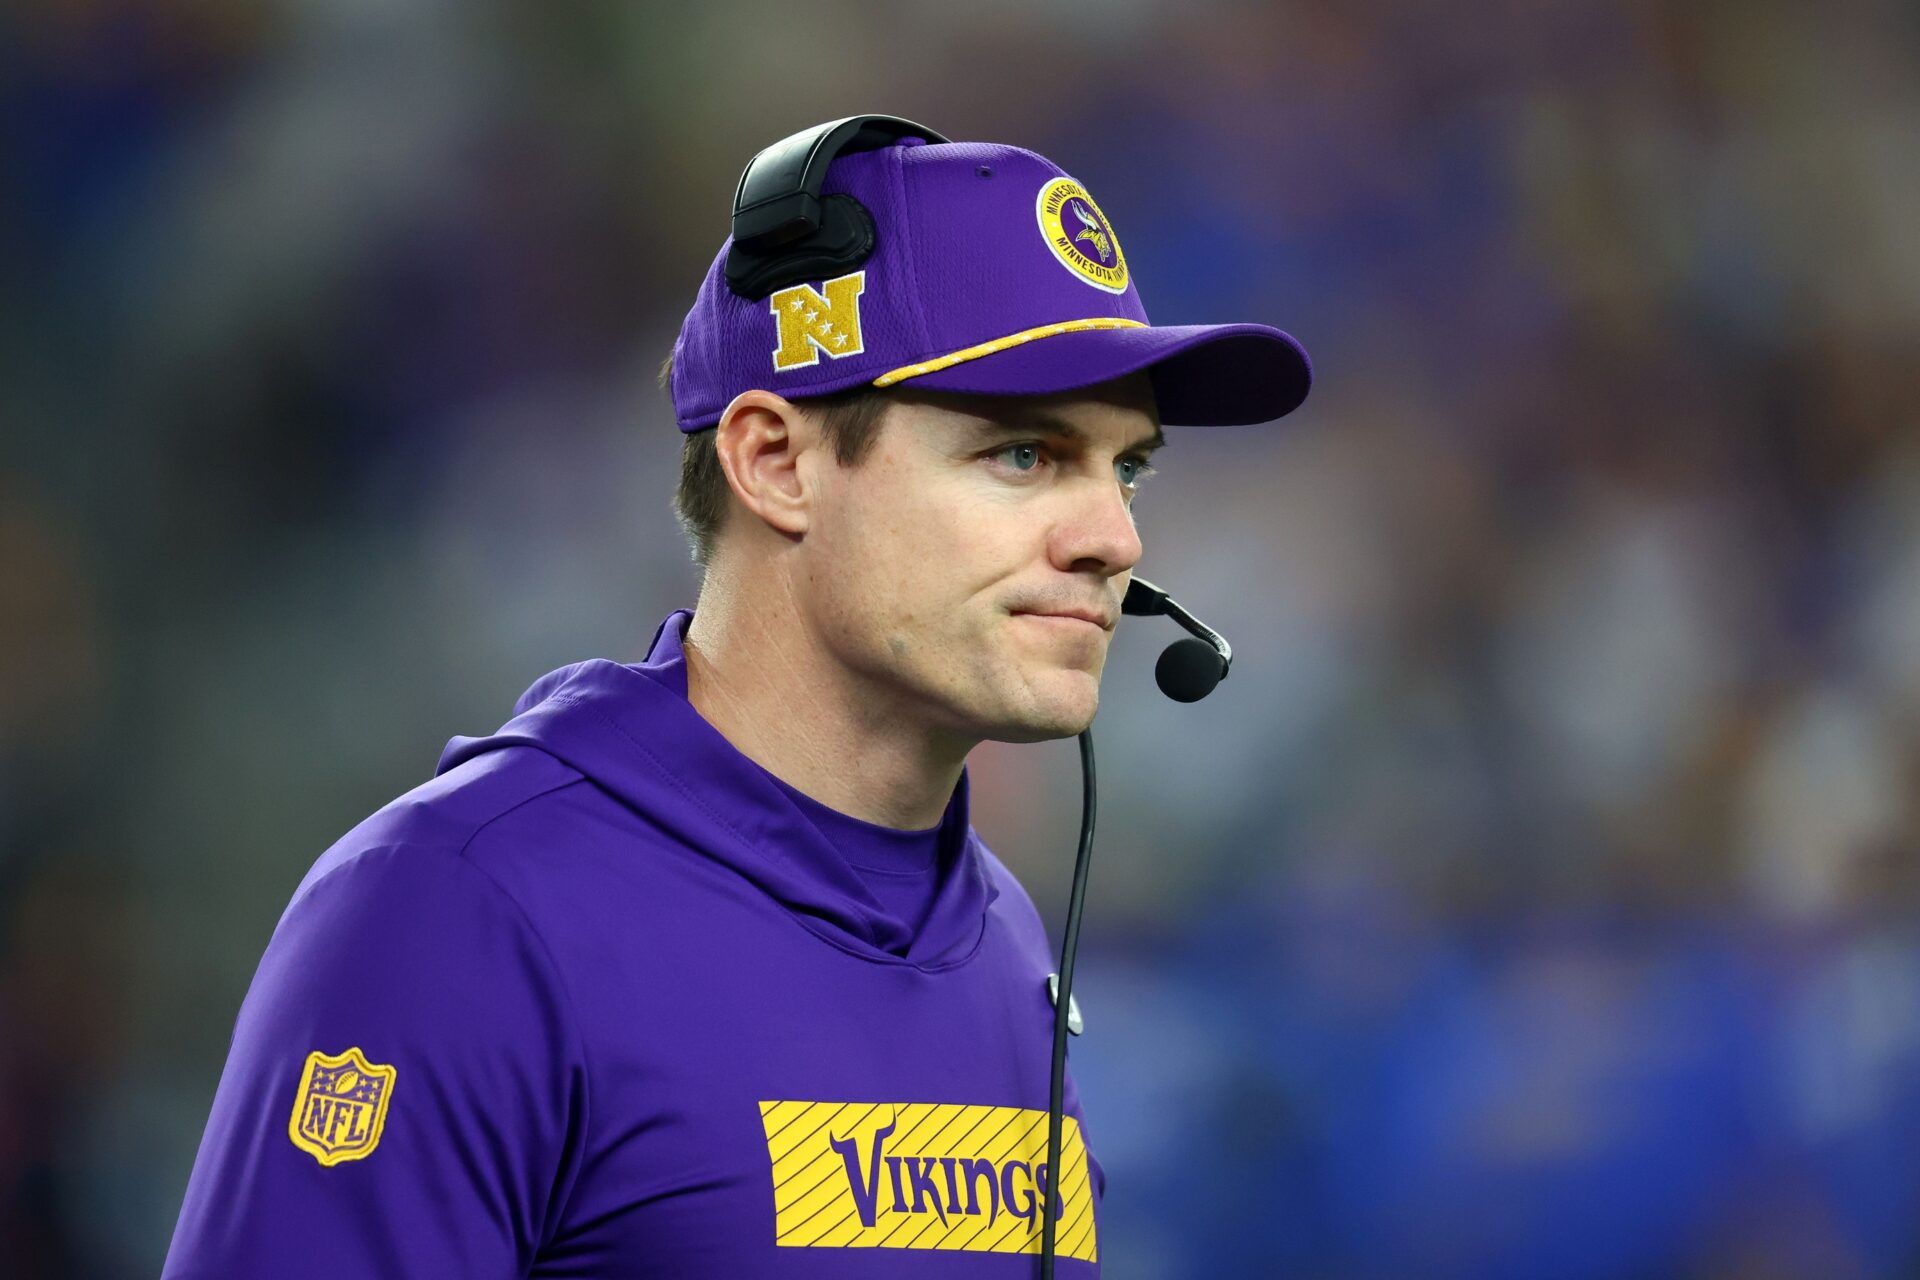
x=1080, y=235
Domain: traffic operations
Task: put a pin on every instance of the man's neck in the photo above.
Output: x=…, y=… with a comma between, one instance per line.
x=758, y=675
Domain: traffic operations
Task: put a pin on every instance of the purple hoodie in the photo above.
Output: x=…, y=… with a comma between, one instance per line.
x=599, y=1000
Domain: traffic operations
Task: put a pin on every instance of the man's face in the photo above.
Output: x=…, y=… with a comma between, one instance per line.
x=938, y=567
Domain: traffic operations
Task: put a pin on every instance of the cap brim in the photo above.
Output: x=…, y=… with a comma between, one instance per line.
x=1204, y=375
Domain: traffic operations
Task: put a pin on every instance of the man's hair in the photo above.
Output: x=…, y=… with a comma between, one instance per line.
x=849, y=421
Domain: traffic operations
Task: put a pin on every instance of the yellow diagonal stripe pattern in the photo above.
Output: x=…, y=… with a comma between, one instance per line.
x=923, y=1175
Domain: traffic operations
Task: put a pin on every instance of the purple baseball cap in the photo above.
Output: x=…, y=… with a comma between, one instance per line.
x=992, y=273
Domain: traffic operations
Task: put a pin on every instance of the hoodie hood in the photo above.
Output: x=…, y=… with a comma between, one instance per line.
x=631, y=730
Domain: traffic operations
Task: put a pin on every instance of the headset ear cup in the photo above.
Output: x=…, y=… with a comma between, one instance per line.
x=778, y=210
x=778, y=197
x=843, y=240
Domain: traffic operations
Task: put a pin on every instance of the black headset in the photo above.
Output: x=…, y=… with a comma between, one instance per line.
x=784, y=232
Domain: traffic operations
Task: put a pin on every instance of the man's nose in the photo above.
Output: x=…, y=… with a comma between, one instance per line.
x=1097, y=531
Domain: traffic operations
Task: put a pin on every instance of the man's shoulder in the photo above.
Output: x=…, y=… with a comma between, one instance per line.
x=1012, y=899
x=448, y=811
x=998, y=873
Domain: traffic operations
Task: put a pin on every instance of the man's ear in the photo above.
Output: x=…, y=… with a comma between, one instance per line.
x=760, y=441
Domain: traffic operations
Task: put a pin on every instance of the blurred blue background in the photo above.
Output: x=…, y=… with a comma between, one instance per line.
x=1539, y=899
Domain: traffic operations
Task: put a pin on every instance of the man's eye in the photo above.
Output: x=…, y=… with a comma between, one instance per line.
x=1025, y=457
x=1133, y=470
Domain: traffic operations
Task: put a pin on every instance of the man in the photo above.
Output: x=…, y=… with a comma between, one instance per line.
x=696, y=967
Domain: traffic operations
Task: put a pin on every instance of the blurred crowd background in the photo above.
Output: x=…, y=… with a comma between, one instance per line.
x=1538, y=899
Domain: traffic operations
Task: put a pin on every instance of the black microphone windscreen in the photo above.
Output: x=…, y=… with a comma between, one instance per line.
x=1188, y=670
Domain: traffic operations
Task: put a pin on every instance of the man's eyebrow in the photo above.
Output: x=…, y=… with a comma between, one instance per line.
x=1049, y=424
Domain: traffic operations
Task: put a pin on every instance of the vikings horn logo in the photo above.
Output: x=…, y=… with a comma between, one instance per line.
x=1091, y=232
x=1085, y=243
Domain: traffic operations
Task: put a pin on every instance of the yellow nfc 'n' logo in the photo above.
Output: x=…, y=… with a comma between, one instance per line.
x=341, y=1106
x=813, y=320
x=924, y=1175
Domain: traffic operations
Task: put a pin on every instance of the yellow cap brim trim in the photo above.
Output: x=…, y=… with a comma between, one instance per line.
x=965, y=354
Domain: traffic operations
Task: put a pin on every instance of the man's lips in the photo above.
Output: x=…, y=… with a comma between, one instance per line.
x=1101, y=620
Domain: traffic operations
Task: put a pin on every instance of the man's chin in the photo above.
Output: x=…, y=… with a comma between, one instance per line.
x=1059, y=711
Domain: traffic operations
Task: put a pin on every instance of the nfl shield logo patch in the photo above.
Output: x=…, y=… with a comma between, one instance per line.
x=341, y=1106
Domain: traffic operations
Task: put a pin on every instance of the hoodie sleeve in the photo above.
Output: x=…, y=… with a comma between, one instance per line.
x=405, y=1091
